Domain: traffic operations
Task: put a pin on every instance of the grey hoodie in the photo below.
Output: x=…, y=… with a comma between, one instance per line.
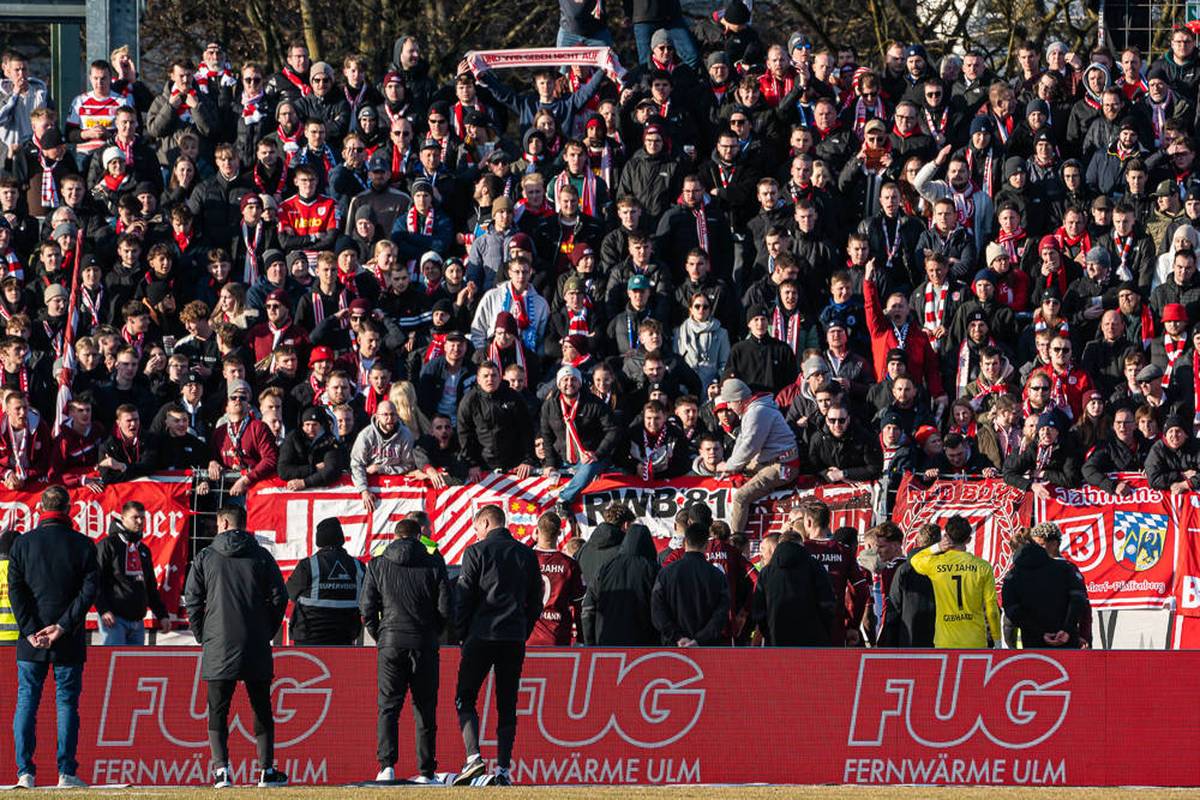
x=393, y=454
x=764, y=437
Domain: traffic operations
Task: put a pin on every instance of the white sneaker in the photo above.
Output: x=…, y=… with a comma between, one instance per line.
x=25, y=781
x=221, y=778
x=428, y=779
x=386, y=774
x=71, y=782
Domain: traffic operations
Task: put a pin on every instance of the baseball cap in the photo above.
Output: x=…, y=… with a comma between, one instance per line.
x=637, y=282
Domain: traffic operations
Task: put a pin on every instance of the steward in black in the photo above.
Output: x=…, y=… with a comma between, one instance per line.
x=616, y=608
x=690, y=601
x=1044, y=595
x=324, y=589
x=793, y=602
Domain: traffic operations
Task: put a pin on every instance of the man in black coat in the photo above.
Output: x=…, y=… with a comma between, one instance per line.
x=405, y=603
x=499, y=602
x=604, y=545
x=52, y=582
x=578, y=433
x=127, y=586
x=765, y=363
x=690, y=601
x=324, y=590
x=236, y=598
x=616, y=608
x=1044, y=595
x=494, y=426
x=310, y=455
x=908, y=616
x=793, y=602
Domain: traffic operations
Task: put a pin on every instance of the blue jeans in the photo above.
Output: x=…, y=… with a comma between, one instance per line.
x=583, y=475
x=568, y=39
x=681, y=37
x=123, y=631
x=68, y=682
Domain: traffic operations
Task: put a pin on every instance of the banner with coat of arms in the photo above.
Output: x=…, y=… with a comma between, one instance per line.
x=1125, y=545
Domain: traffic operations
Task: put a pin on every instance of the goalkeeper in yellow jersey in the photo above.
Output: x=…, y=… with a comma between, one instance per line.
x=964, y=589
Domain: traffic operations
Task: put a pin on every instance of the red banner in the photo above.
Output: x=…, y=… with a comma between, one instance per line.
x=595, y=716
x=284, y=520
x=1125, y=545
x=166, y=498
x=993, y=508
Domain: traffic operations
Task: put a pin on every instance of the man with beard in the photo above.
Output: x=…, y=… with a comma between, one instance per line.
x=127, y=586
x=494, y=428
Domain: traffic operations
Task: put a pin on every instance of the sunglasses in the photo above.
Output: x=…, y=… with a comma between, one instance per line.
x=252, y=79
x=1060, y=349
x=701, y=306
x=837, y=420
x=1039, y=388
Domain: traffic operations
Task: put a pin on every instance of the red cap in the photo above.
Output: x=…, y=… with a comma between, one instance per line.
x=1174, y=312
x=581, y=250
x=1050, y=242
x=521, y=241
x=923, y=433
x=392, y=76
x=279, y=296
x=360, y=305
x=320, y=353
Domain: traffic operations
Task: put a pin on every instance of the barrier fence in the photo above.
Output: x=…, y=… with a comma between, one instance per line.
x=588, y=716
x=1140, y=550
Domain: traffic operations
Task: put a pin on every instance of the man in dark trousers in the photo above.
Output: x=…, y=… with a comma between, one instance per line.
x=499, y=601
x=405, y=603
x=690, y=601
x=793, y=602
x=236, y=599
x=324, y=590
x=127, y=584
x=52, y=579
x=1044, y=595
x=909, y=608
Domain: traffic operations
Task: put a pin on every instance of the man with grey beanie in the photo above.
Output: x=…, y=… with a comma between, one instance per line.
x=765, y=450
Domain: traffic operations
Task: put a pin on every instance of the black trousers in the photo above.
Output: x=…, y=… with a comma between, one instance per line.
x=478, y=658
x=220, y=693
x=399, y=672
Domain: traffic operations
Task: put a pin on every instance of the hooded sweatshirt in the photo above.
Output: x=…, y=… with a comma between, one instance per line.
x=616, y=608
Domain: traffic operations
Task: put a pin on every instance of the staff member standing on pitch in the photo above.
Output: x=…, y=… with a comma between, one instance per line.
x=500, y=600
x=405, y=603
x=236, y=598
x=964, y=590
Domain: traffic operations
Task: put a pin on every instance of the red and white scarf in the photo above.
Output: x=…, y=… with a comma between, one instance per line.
x=1014, y=243
x=787, y=331
x=1123, y=245
x=250, y=266
x=864, y=114
x=648, y=448
x=19, y=448
x=252, y=109
x=1174, y=349
x=575, y=449
x=297, y=81
x=49, y=196
x=437, y=346
x=183, y=111
x=985, y=183
x=318, y=304
x=934, y=313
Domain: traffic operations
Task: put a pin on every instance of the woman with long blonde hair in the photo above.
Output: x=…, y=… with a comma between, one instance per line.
x=404, y=397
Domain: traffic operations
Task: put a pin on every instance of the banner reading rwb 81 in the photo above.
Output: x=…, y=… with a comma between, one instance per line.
x=675, y=716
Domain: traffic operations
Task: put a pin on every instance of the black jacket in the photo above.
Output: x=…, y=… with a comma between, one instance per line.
x=1112, y=455
x=793, y=602
x=405, y=599
x=766, y=364
x=616, y=608
x=235, y=599
x=1044, y=595
x=126, y=595
x=52, y=578
x=1062, y=468
x=910, y=612
x=1165, y=466
x=602, y=546
x=690, y=599
x=598, y=431
x=299, y=457
x=856, y=453
x=495, y=430
x=325, y=605
x=499, y=590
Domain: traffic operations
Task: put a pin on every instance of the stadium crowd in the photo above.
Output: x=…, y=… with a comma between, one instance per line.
x=745, y=259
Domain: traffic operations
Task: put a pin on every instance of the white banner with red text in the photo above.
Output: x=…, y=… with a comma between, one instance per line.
x=529, y=57
x=672, y=716
x=167, y=500
x=285, y=521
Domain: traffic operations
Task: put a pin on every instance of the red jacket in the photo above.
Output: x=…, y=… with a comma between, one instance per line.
x=255, y=455
x=922, y=361
x=37, y=452
x=74, y=455
x=260, y=339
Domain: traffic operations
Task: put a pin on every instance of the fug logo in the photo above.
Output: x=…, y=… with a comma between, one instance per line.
x=576, y=699
x=945, y=700
x=166, y=690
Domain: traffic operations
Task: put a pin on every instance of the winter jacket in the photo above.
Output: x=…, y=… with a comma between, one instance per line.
x=164, y=123
x=256, y=454
x=690, y=600
x=406, y=597
x=53, y=579
x=500, y=299
x=526, y=105
x=215, y=205
x=495, y=430
x=126, y=592
x=1062, y=468
x=670, y=459
x=1111, y=455
x=616, y=608
x=602, y=546
x=1044, y=595
x=794, y=604
x=766, y=364
x=393, y=455
x=934, y=190
x=922, y=361
x=598, y=431
x=1165, y=466
x=654, y=180
x=235, y=598
x=909, y=618
x=499, y=590
x=325, y=589
x=300, y=456
x=856, y=453
x=704, y=346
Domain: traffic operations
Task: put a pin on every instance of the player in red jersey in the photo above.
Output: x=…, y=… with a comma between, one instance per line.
x=562, y=588
x=851, y=583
